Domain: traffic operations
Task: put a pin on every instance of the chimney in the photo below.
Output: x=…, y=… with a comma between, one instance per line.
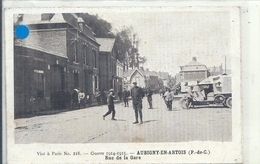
x=194, y=59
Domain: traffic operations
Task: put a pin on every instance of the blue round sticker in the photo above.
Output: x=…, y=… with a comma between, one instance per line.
x=22, y=32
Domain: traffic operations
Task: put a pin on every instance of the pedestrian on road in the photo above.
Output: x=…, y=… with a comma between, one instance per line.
x=125, y=97
x=149, y=98
x=137, y=94
x=168, y=97
x=111, y=106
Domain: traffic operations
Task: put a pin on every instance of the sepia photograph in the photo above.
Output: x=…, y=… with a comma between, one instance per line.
x=126, y=76
x=107, y=78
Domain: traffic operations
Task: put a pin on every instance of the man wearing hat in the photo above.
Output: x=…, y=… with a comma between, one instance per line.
x=111, y=106
x=190, y=97
x=137, y=94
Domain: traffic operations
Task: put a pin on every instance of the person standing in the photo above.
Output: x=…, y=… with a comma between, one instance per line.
x=137, y=94
x=125, y=97
x=74, y=98
x=149, y=98
x=190, y=97
x=111, y=106
x=168, y=97
x=81, y=96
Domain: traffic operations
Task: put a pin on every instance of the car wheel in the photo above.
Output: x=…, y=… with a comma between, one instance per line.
x=229, y=102
x=183, y=103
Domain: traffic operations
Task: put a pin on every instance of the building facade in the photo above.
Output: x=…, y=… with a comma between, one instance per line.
x=119, y=76
x=192, y=73
x=107, y=60
x=144, y=78
x=59, y=55
x=216, y=70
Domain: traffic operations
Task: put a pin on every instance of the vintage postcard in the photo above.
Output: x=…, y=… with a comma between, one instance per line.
x=115, y=84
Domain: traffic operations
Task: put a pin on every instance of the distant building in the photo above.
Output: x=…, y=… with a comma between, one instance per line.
x=164, y=76
x=134, y=75
x=192, y=73
x=144, y=78
x=216, y=70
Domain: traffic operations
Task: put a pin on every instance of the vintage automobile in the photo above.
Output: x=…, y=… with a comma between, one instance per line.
x=212, y=90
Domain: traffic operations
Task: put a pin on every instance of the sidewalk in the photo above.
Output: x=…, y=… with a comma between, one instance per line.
x=57, y=111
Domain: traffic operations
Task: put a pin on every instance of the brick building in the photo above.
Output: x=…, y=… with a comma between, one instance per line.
x=107, y=60
x=119, y=76
x=59, y=54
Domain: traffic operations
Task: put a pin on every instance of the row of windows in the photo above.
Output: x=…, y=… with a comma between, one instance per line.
x=39, y=83
x=85, y=55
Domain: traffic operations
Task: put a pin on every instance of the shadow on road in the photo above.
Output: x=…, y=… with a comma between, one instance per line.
x=149, y=121
x=119, y=120
x=207, y=106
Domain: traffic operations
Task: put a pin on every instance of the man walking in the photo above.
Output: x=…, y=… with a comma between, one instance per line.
x=111, y=106
x=168, y=97
x=137, y=94
x=125, y=97
x=149, y=98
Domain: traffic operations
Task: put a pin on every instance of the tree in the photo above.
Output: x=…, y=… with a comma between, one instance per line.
x=126, y=40
x=100, y=27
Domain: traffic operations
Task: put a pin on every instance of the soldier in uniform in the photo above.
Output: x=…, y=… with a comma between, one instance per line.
x=149, y=98
x=137, y=94
x=111, y=106
x=125, y=97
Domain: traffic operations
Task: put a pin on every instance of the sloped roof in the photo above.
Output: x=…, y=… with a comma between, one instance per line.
x=36, y=19
x=52, y=42
x=74, y=20
x=194, y=63
x=107, y=44
x=69, y=18
x=128, y=72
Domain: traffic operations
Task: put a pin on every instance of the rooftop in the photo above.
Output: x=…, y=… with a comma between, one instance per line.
x=107, y=44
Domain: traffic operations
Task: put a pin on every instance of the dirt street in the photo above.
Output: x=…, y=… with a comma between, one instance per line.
x=87, y=125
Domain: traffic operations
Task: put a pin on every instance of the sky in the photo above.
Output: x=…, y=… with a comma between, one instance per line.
x=171, y=37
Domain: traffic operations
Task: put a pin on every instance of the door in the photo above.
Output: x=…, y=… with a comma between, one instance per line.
x=38, y=90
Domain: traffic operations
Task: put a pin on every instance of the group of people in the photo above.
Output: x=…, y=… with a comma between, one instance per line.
x=79, y=98
x=137, y=94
